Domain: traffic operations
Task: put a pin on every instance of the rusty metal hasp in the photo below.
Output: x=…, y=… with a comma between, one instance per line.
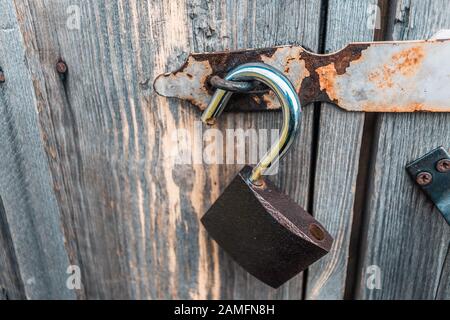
x=405, y=76
x=432, y=173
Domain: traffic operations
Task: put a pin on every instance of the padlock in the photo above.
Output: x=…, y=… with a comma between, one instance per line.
x=263, y=230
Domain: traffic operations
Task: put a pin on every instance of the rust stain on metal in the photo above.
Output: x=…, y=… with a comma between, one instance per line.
x=404, y=63
x=196, y=93
x=327, y=77
x=299, y=65
x=411, y=107
x=192, y=81
x=316, y=87
x=408, y=60
x=256, y=99
x=372, y=77
x=270, y=100
x=289, y=60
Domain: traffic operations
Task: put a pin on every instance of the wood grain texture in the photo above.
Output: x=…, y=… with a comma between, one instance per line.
x=29, y=203
x=443, y=292
x=404, y=234
x=131, y=217
x=339, y=144
x=10, y=283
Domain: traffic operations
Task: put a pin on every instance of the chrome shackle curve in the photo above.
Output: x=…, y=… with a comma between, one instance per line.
x=290, y=105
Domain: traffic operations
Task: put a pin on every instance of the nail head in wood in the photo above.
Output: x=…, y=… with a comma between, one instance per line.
x=61, y=67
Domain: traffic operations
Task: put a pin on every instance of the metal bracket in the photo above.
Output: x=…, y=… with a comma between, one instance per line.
x=432, y=173
x=405, y=76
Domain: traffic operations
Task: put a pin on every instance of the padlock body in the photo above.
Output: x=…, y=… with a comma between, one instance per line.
x=264, y=231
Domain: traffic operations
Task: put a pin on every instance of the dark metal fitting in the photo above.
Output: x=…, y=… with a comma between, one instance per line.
x=432, y=173
x=424, y=178
x=443, y=166
x=236, y=86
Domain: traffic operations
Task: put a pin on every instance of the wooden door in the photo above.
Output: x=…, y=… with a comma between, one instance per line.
x=84, y=176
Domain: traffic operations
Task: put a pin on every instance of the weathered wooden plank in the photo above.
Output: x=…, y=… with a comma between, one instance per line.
x=131, y=216
x=11, y=286
x=26, y=188
x=259, y=24
x=444, y=283
x=405, y=236
x=338, y=156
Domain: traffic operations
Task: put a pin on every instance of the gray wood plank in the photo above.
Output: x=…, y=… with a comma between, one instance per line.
x=444, y=283
x=266, y=23
x=26, y=187
x=405, y=236
x=338, y=158
x=11, y=287
x=131, y=217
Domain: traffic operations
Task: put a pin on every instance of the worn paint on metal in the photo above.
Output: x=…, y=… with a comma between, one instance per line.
x=433, y=176
x=373, y=77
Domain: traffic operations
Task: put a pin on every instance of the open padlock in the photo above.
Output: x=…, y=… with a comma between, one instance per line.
x=267, y=233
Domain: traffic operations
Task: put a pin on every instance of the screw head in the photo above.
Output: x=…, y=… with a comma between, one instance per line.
x=61, y=67
x=424, y=178
x=443, y=165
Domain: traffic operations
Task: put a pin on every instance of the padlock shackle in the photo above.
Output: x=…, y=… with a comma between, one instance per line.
x=290, y=105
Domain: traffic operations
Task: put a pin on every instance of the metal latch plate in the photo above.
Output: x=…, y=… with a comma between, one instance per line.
x=405, y=76
x=432, y=173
